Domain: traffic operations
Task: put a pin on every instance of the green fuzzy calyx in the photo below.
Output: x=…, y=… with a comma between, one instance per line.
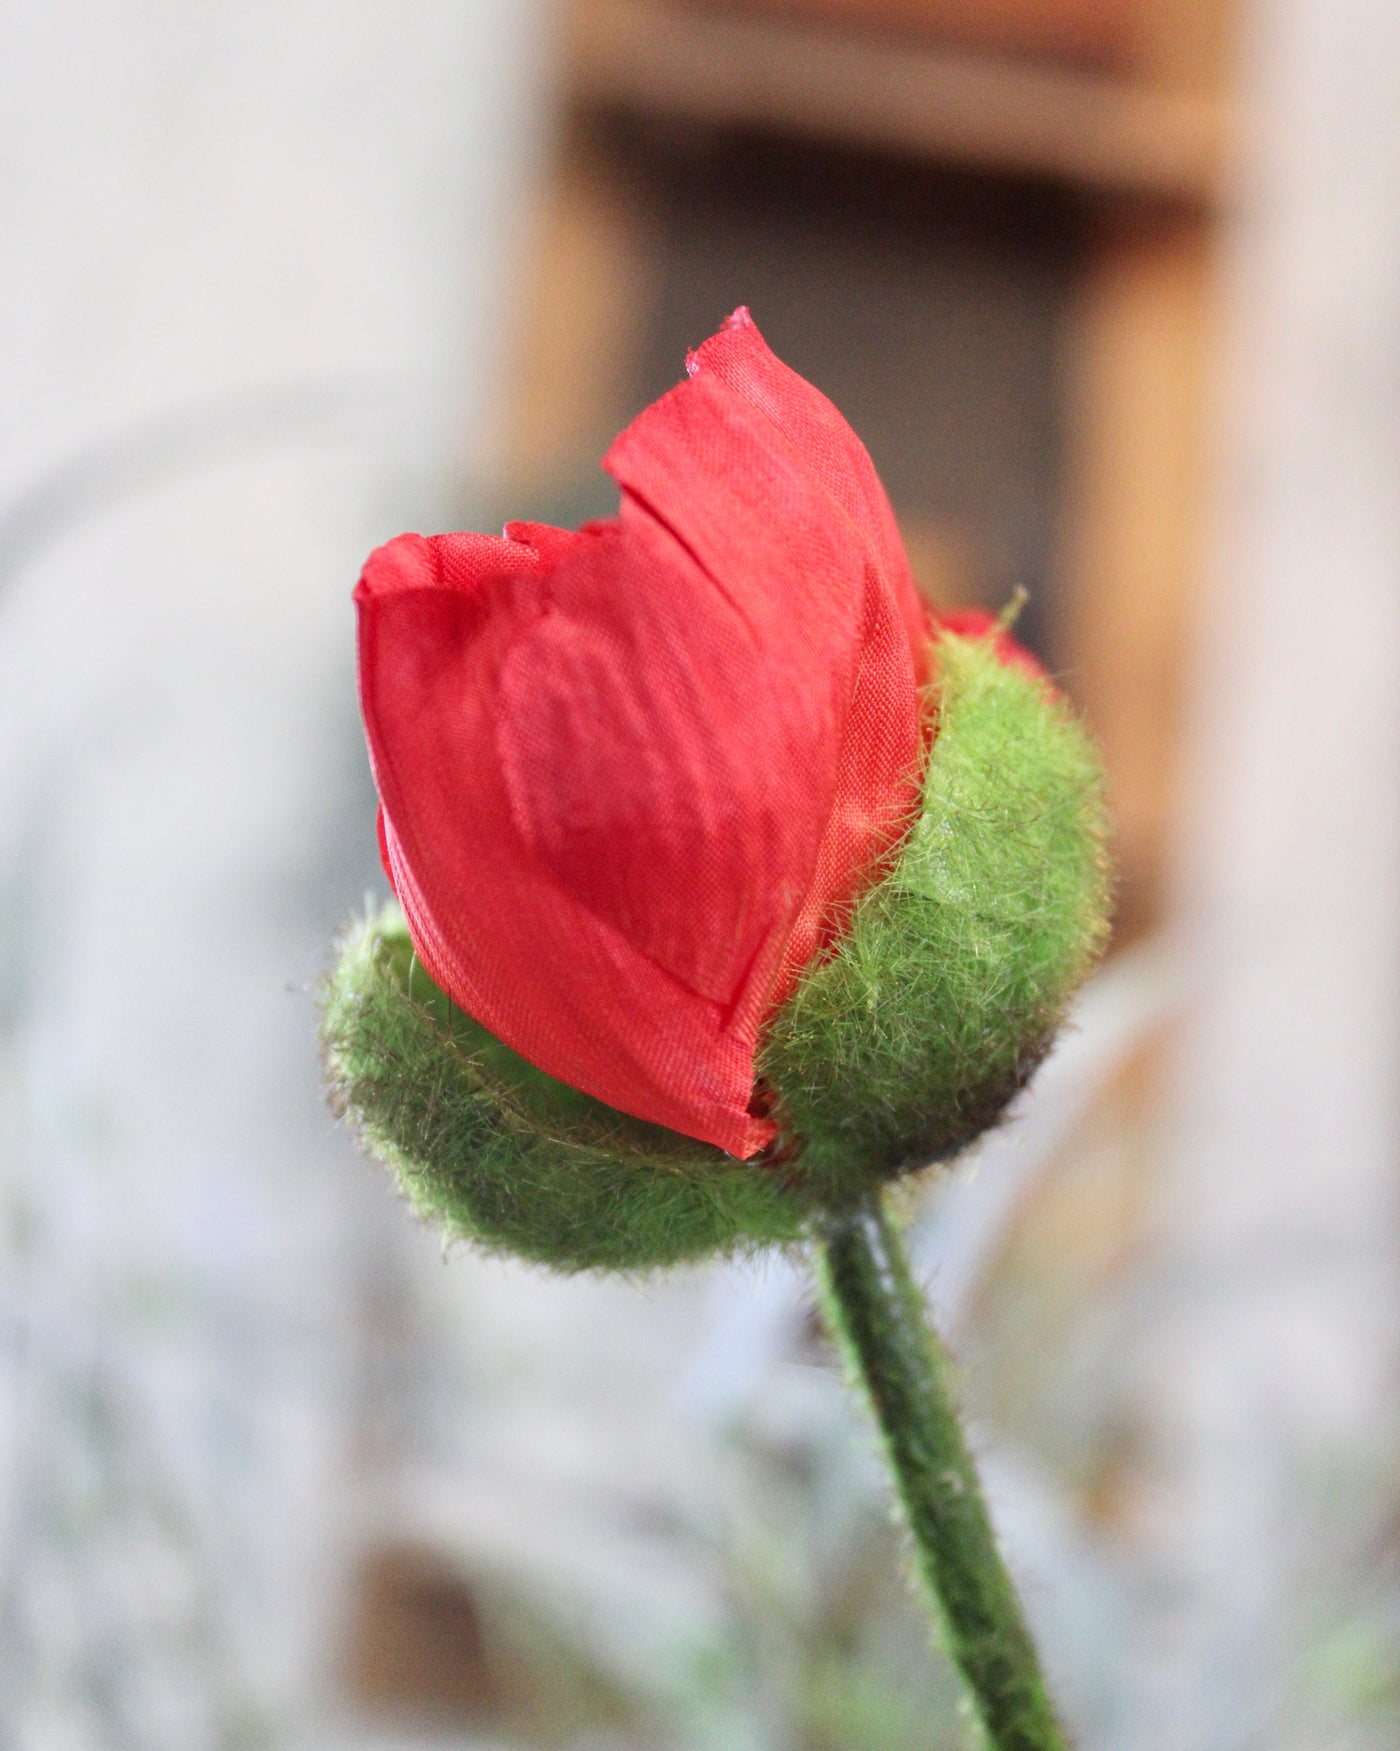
x=954, y=975
x=491, y=1149
x=897, y=1050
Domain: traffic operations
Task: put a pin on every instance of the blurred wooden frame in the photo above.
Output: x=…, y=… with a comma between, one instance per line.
x=1125, y=102
x=1091, y=32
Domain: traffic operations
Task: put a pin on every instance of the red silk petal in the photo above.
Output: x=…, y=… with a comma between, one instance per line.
x=741, y=359
x=632, y=774
x=877, y=788
x=437, y=562
x=489, y=918
x=632, y=777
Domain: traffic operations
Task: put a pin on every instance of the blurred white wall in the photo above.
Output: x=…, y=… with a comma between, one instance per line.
x=257, y=258
x=1273, y=1364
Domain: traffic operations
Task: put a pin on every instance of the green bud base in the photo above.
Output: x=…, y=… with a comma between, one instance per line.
x=947, y=990
x=492, y=1150
x=896, y=1051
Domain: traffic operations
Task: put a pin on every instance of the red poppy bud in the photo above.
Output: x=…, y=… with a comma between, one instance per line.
x=632, y=778
x=688, y=877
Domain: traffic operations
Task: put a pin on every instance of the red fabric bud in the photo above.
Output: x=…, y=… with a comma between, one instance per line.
x=632, y=777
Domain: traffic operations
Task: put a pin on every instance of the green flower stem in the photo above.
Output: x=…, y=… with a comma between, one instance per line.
x=877, y=1314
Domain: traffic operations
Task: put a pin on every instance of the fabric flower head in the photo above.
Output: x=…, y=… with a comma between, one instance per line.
x=631, y=776
x=709, y=841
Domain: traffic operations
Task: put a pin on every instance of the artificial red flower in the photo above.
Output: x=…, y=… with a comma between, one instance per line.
x=632, y=777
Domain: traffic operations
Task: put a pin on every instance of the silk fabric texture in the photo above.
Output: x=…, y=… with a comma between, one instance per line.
x=632, y=777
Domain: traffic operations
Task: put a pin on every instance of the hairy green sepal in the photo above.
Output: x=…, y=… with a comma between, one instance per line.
x=493, y=1150
x=954, y=975
x=896, y=1051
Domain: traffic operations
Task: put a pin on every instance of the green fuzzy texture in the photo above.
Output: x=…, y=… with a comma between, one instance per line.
x=898, y=1050
x=490, y=1149
x=954, y=976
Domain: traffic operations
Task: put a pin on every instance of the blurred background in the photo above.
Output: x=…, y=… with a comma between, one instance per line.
x=1111, y=288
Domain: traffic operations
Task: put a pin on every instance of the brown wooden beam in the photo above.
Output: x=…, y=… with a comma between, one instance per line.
x=920, y=99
